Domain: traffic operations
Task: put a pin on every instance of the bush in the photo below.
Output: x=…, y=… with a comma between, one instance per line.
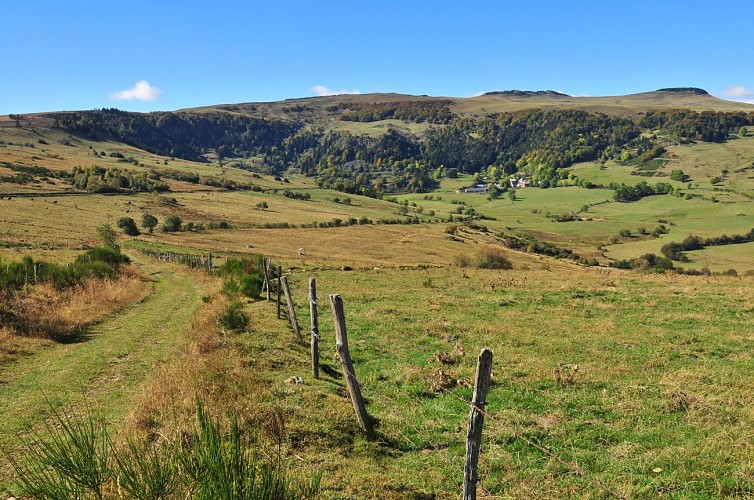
x=128, y=225
x=251, y=285
x=172, y=224
x=233, y=318
x=492, y=258
x=103, y=254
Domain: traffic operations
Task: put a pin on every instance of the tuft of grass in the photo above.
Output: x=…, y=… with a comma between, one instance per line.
x=72, y=457
x=234, y=318
x=147, y=472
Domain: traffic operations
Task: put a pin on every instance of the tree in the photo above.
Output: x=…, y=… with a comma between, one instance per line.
x=679, y=175
x=512, y=194
x=107, y=237
x=148, y=222
x=172, y=224
x=128, y=226
x=743, y=132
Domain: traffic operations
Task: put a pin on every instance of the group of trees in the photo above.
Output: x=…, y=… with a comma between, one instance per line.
x=640, y=190
x=97, y=179
x=540, y=144
x=436, y=111
x=674, y=250
x=183, y=135
x=708, y=126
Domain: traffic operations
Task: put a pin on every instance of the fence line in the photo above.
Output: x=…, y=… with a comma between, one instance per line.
x=275, y=281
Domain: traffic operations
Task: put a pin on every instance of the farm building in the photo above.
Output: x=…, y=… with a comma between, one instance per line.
x=479, y=188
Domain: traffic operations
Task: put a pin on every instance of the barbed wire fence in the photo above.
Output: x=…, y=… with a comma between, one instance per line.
x=492, y=419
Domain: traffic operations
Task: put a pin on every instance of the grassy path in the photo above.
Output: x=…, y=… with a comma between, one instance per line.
x=106, y=367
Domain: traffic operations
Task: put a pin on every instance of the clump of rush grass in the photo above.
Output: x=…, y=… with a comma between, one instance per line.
x=75, y=458
x=68, y=459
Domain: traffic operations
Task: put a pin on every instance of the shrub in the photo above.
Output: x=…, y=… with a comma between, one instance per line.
x=128, y=225
x=251, y=285
x=233, y=318
x=463, y=261
x=492, y=258
x=625, y=233
x=172, y=224
x=103, y=254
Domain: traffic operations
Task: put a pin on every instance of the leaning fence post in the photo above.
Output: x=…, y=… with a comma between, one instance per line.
x=476, y=419
x=315, y=326
x=341, y=345
x=280, y=275
x=291, y=308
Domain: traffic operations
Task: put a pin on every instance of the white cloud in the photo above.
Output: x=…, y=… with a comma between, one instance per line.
x=738, y=93
x=321, y=90
x=141, y=91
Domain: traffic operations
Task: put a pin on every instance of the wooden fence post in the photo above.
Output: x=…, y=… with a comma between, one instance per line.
x=341, y=345
x=291, y=309
x=315, y=326
x=280, y=275
x=476, y=419
x=209, y=262
x=267, y=283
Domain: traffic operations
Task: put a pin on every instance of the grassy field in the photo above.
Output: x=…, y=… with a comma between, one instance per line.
x=103, y=367
x=659, y=405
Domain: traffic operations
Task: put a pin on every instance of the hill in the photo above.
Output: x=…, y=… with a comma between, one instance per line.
x=604, y=256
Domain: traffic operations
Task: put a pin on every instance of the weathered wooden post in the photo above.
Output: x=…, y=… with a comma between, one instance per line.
x=476, y=419
x=315, y=326
x=341, y=345
x=267, y=284
x=209, y=262
x=291, y=308
x=280, y=275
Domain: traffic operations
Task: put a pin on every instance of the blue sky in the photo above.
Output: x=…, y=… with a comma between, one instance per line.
x=164, y=55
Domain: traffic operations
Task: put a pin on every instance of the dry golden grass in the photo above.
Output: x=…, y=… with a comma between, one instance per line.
x=47, y=312
x=209, y=368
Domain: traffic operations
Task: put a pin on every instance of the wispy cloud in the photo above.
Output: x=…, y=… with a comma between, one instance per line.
x=140, y=91
x=738, y=93
x=321, y=90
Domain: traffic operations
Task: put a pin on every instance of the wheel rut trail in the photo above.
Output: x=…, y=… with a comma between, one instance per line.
x=106, y=367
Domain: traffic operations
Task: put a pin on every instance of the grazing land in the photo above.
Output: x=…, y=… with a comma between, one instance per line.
x=604, y=378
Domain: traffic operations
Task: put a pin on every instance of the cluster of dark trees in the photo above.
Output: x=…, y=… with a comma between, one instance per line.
x=27, y=174
x=97, y=179
x=541, y=144
x=708, y=126
x=436, y=111
x=674, y=250
x=646, y=262
x=183, y=135
x=203, y=180
x=640, y=190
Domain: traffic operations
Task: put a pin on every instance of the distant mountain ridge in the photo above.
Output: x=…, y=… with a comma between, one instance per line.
x=527, y=93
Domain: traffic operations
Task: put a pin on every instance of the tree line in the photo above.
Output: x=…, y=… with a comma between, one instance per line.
x=540, y=144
